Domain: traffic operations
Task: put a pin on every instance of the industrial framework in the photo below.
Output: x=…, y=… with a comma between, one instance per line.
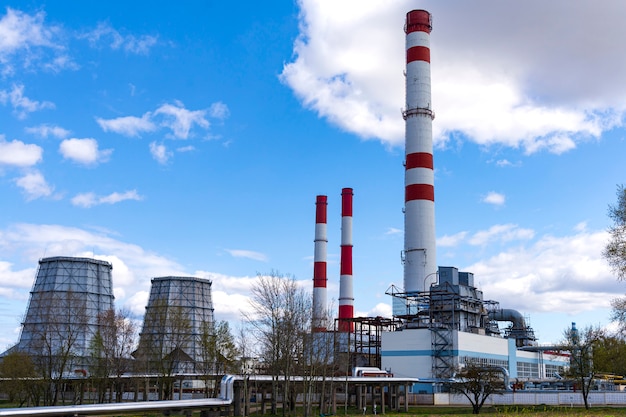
x=65, y=302
x=178, y=319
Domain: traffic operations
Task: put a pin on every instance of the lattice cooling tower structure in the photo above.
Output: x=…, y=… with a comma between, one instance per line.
x=179, y=310
x=66, y=299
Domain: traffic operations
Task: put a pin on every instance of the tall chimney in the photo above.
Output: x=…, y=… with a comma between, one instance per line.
x=346, y=294
x=319, y=265
x=419, y=255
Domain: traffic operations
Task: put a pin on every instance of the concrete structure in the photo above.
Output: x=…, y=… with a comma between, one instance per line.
x=419, y=255
x=68, y=296
x=319, y=265
x=447, y=323
x=346, y=292
x=179, y=312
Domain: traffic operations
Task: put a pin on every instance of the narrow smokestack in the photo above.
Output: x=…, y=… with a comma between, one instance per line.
x=346, y=295
x=319, y=265
x=419, y=255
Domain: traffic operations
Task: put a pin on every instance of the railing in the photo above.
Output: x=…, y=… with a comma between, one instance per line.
x=226, y=399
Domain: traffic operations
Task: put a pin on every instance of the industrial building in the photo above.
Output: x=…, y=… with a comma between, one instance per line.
x=441, y=322
x=62, y=315
x=179, y=313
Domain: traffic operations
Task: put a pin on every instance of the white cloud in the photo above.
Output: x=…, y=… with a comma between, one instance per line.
x=61, y=62
x=180, y=120
x=133, y=267
x=450, y=241
x=34, y=185
x=87, y=200
x=84, y=151
x=24, y=37
x=219, y=110
x=393, y=231
x=492, y=80
x=44, y=131
x=175, y=117
x=19, y=154
x=128, y=125
x=136, y=265
x=189, y=148
x=494, y=198
x=160, y=153
x=380, y=310
x=22, y=105
x=115, y=40
x=555, y=274
x=20, y=30
x=15, y=279
x=242, y=253
x=501, y=233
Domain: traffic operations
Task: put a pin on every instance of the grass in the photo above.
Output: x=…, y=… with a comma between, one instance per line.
x=445, y=411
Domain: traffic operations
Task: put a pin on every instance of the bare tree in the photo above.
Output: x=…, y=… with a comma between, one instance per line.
x=59, y=330
x=318, y=364
x=280, y=318
x=165, y=337
x=615, y=250
x=219, y=352
x=580, y=345
x=246, y=363
x=615, y=253
x=477, y=382
x=111, y=348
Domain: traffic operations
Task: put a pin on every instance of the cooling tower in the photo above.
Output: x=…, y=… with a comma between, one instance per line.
x=179, y=313
x=66, y=299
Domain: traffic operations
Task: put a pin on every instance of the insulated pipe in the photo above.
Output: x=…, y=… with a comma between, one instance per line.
x=507, y=314
x=319, y=265
x=346, y=294
x=419, y=255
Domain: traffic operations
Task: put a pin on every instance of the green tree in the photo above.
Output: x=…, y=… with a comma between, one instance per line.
x=582, y=368
x=609, y=355
x=219, y=352
x=477, y=382
x=17, y=376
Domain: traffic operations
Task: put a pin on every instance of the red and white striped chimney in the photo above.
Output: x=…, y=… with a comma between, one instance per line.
x=419, y=253
x=346, y=294
x=319, y=265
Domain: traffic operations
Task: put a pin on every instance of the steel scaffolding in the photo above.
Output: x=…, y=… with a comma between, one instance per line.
x=177, y=323
x=67, y=297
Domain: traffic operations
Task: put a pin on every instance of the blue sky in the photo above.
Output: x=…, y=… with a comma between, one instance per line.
x=192, y=139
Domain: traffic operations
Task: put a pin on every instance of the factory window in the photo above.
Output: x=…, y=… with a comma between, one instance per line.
x=527, y=370
x=485, y=362
x=553, y=370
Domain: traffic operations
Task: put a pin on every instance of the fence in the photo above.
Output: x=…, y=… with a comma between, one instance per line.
x=567, y=398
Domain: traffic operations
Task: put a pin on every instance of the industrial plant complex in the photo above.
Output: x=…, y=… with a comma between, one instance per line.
x=441, y=321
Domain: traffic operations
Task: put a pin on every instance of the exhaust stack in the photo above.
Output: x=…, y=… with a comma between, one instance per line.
x=346, y=294
x=319, y=265
x=419, y=255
